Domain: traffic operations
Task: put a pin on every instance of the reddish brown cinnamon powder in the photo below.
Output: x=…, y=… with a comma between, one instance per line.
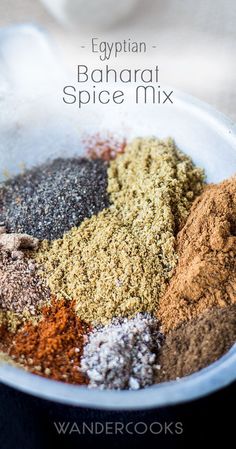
x=53, y=347
x=206, y=273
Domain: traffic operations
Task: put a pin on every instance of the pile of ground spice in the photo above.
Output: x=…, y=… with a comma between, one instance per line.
x=21, y=289
x=206, y=273
x=15, y=244
x=123, y=354
x=50, y=199
x=9, y=325
x=11, y=321
x=118, y=263
x=103, y=147
x=197, y=344
x=52, y=347
x=154, y=178
x=4, y=358
x=3, y=322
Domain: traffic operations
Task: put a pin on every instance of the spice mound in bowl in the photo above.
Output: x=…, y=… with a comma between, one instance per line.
x=117, y=269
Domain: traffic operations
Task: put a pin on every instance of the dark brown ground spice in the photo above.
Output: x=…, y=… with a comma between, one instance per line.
x=53, y=347
x=198, y=343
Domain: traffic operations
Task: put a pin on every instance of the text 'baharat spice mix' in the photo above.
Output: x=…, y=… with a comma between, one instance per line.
x=117, y=270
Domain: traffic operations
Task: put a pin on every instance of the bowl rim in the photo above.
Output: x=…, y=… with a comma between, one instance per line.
x=204, y=382
x=208, y=380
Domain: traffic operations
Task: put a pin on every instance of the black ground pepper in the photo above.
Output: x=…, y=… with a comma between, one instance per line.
x=49, y=200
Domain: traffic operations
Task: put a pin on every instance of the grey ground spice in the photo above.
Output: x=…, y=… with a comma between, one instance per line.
x=118, y=263
x=122, y=355
x=21, y=289
x=198, y=343
x=50, y=199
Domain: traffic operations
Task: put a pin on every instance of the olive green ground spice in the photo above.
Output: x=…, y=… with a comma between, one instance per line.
x=153, y=185
x=119, y=262
x=4, y=358
x=198, y=343
x=11, y=321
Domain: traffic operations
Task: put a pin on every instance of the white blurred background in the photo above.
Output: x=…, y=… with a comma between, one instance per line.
x=196, y=40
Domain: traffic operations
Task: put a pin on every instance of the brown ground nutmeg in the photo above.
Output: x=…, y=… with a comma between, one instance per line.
x=198, y=343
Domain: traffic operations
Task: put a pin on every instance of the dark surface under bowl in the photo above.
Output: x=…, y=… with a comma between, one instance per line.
x=27, y=422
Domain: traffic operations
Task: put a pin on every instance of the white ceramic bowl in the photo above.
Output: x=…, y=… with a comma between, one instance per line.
x=201, y=132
